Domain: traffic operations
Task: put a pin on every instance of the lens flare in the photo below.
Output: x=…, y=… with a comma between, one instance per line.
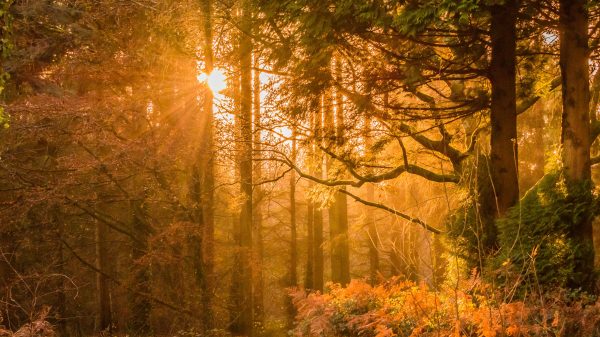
x=216, y=80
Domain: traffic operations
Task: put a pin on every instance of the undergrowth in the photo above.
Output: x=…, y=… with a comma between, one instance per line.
x=471, y=308
x=534, y=235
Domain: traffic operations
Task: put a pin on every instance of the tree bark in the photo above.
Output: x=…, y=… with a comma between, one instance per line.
x=207, y=179
x=338, y=212
x=575, y=132
x=243, y=322
x=258, y=197
x=318, y=263
x=62, y=286
x=102, y=282
x=310, y=217
x=310, y=253
x=503, y=149
x=140, y=305
x=293, y=271
x=372, y=235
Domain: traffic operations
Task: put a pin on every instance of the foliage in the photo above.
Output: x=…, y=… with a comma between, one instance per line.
x=534, y=234
x=5, y=48
x=111, y=130
x=534, y=249
x=400, y=308
x=465, y=228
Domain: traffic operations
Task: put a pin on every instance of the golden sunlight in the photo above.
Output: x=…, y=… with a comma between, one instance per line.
x=216, y=80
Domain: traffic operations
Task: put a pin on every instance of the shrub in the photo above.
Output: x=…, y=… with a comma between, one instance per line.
x=535, y=249
x=400, y=308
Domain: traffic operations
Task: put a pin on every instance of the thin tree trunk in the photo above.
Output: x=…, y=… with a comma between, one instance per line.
x=318, y=263
x=329, y=141
x=140, y=305
x=293, y=271
x=310, y=253
x=338, y=212
x=207, y=179
x=575, y=133
x=258, y=197
x=62, y=296
x=372, y=235
x=243, y=322
x=102, y=283
x=341, y=199
x=503, y=149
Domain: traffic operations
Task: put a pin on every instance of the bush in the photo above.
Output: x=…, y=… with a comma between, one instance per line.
x=400, y=308
x=535, y=249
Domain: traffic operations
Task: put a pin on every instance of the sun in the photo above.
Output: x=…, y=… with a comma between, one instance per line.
x=216, y=80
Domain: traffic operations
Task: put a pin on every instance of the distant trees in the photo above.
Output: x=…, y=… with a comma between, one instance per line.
x=354, y=140
x=429, y=65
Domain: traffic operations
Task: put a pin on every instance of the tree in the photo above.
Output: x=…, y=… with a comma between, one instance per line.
x=258, y=195
x=205, y=176
x=293, y=270
x=503, y=119
x=141, y=306
x=318, y=263
x=338, y=212
x=575, y=132
x=372, y=234
x=133, y=196
x=243, y=321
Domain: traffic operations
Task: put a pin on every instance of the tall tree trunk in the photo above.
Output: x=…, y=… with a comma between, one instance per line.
x=62, y=286
x=318, y=262
x=575, y=133
x=243, y=322
x=338, y=212
x=329, y=142
x=257, y=261
x=102, y=282
x=207, y=180
x=372, y=235
x=293, y=271
x=310, y=253
x=140, y=305
x=503, y=149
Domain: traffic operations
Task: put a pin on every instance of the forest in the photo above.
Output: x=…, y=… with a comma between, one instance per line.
x=306, y=168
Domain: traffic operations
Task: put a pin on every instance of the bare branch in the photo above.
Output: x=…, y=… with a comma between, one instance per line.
x=393, y=211
x=119, y=283
x=275, y=179
x=394, y=173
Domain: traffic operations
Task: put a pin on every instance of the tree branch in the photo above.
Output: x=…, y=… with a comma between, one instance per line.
x=119, y=283
x=394, y=173
x=112, y=223
x=393, y=211
x=453, y=154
